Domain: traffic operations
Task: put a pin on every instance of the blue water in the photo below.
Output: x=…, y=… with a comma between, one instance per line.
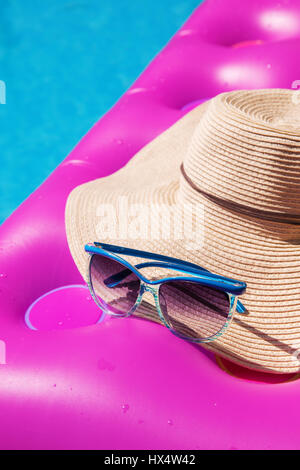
x=65, y=63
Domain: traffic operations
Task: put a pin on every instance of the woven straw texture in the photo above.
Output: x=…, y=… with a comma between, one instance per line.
x=241, y=147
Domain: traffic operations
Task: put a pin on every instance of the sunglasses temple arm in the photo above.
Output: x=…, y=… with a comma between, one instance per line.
x=175, y=261
x=147, y=255
x=225, y=286
x=123, y=250
x=113, y=280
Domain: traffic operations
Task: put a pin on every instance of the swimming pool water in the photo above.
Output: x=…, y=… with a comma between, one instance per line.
x=65, y=63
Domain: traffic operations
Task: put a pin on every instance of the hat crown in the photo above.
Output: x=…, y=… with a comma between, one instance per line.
x=246, y=149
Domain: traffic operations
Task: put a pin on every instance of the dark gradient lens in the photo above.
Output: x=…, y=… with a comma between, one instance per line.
x=192, y=310
x=115, y=286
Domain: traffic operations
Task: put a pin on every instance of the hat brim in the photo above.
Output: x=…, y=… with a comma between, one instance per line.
x=156, y=162
x=235, y=246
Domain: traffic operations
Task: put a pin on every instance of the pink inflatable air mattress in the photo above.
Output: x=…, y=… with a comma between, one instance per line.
x=70, y=382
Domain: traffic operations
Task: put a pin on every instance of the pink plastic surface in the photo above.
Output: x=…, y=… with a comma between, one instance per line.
x=129, y=383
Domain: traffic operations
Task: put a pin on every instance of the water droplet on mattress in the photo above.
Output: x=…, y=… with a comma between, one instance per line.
x=125, y=408
x=3, y=275
x=103, y=364
x=170, y=422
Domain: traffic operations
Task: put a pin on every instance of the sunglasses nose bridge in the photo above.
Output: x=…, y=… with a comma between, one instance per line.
x=148, y=288
x=152, y=291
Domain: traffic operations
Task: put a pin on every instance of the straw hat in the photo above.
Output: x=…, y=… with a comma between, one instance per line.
x=238, y=157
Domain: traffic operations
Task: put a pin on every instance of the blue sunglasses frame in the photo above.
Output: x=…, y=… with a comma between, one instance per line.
x=197, y=273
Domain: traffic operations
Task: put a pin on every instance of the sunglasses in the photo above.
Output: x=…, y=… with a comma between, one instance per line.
x=197, y=305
